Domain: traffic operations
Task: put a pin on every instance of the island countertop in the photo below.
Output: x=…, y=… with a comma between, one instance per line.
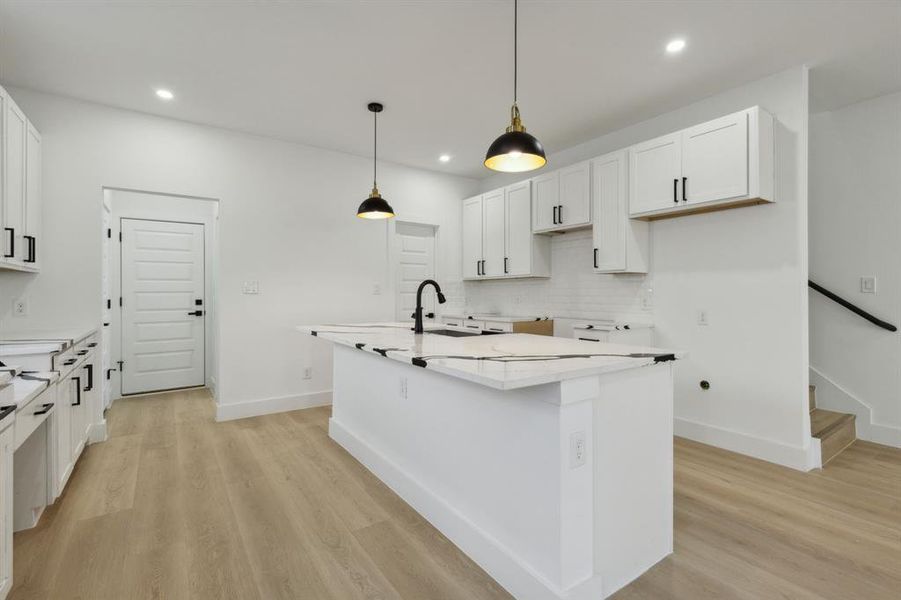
x=503, y=361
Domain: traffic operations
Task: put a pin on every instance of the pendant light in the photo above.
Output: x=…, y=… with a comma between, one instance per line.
x=375, y=207
x=515, y=151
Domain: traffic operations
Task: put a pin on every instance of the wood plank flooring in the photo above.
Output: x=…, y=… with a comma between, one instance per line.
x=175, y=505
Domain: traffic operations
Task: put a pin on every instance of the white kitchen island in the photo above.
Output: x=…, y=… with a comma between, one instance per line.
x=548, y=461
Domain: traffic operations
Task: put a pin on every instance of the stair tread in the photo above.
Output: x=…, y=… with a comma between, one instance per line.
x=825, y=422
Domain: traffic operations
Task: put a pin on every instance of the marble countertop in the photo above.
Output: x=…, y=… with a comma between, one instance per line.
x=29, y=385
x=498, y=318
x=503, y=361
x=68, y=336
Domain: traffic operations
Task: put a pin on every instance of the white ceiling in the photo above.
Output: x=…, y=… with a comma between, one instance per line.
x=305, y=71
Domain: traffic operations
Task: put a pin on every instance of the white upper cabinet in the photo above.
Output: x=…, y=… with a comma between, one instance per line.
x=655, y=170
x=620, y=243
x=20, y=188
x=497, y=236
x=493, y=233
x=472, y=238
x=562, y=199
x=723, y=163
x=33, y=205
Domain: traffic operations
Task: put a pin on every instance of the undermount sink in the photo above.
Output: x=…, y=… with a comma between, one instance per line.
x=452, y=332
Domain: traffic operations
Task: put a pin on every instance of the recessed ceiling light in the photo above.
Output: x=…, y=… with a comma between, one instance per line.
x=675, y=46
x=444, y=158
x=165, y=94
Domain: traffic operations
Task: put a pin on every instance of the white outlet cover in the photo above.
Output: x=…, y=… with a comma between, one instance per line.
x=702, y=318
x=251, y=287
x=867, y=285
x=578, y=448
x=20, y=307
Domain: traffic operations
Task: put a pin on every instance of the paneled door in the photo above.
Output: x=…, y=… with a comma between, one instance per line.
x=415, y=262
x=654, y=174
x=493, y=233
x=163, y=305
x=715, y=159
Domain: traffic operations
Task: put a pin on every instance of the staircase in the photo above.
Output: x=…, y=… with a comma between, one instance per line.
x=836, y=431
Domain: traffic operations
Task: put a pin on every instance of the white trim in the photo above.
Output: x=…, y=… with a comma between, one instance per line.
x=98, y=432
x=268, y=406
x=832, y=396
x=795, y=457
x=497, y=560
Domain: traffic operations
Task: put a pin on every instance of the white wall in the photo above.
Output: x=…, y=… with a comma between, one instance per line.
x=287, y=219
x=855, y=219
x=747, y=268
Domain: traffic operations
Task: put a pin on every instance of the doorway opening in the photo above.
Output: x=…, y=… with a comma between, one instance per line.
x=160, y=317
x=415, y=259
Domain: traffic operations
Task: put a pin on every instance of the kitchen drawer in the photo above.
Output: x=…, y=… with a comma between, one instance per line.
x=87, y=344
x=498, y=326
x=450, y=322
x=30, y=416
x=473, y=324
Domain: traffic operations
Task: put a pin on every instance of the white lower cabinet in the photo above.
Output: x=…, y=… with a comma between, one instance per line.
x=7, y=439
x=620, y=243
x=498, y=241
x=63, y=463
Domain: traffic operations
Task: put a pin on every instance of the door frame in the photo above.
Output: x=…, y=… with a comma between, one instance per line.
x=173, y=208
x=393, y=254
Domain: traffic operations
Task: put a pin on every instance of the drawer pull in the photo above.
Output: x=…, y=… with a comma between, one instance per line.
x=45, y=408
x=92, y=344
x=71, y=361
x=82, y=352
x=589, y=340
x=77, y=381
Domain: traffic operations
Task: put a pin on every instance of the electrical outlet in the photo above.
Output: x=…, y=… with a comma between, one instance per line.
x=251, y=287
x=308, y=373
x=867, y=285
x=376, y=289
x=20, y=307
x=577, y=449
x=403, y=388
x=702, y=318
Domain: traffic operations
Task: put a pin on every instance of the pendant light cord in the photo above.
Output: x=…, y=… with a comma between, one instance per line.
x=515, y=46
x=375, y=146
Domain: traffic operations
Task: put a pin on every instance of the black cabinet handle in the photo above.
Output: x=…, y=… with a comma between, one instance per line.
x=45, y=408
x=505, y=266
x=196, y=313
x=109, y=373
x=675, y=190
x=684, y=182
x=589, y=340
x=92, y=345
x=71, y=361
x=478, y=267
x=483, y=266
x=90, y=384
x=29, y=248
x=82, y=352
x=77, y=381
x=555, y=215
x=595, y=258
x=12, y=242
x=559, y=214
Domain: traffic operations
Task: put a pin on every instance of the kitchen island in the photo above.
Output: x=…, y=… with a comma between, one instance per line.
x=547, y=460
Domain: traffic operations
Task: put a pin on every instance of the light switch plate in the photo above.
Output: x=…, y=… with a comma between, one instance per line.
x=867, y=285
x=251, y=287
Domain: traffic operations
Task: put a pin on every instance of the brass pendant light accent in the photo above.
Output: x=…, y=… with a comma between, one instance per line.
x=375, y=207
x=515, y=151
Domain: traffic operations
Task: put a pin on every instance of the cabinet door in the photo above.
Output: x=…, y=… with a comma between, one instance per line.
x=518, y=230
x=472, y=237
x=76, y=415
x=16, y=129
x=655, y=170
x=610, y=212
x=715, y=160
x=493, y=233
x=63, y=413
x=6, y=511
x=575, y=196
x=33, y=243
x=545, y=199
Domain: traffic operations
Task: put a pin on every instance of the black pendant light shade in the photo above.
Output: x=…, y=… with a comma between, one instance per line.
x=515, y=151
x=375, y=207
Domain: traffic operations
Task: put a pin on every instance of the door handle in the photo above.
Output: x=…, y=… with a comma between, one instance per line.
x=505, y=266
x=77, y=381
x=560, y=214
x=595, y=258
x=675, y=190
x=90, y=384
x=196, y=313
x=555, y=215
x=684, y=182
x=45, y=408
x=29, y=248
x=12, y=242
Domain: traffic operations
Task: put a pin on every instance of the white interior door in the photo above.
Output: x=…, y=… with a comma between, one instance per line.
x=162, y=288
x=415, y=256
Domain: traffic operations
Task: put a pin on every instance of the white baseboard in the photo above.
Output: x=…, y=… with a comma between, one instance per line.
x=268, y=406
x=496, y=559
x=796, y=457
x=832, y=396
x=98, y=432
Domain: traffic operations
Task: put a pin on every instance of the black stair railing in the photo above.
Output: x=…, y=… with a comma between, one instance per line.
x=855, y=309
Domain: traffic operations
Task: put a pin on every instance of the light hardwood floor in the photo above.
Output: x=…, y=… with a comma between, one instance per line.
x=177, y=506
